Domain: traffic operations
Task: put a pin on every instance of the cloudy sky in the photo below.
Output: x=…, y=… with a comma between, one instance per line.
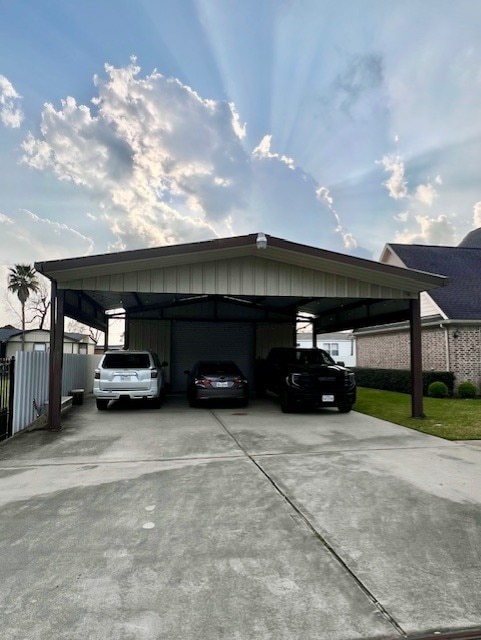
x=342, y=124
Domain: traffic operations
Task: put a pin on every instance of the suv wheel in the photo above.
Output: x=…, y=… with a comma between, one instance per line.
x=156, y=403
x=102, y=404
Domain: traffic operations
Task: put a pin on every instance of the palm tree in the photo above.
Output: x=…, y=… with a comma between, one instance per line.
x=22, y=280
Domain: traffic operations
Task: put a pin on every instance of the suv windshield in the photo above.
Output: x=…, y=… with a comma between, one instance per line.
x=126, y=361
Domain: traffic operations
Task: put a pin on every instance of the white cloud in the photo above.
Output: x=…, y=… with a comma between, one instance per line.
x=477, y=214
x=437, y=231
x=27, y=238
x=425, y=193
x=324, y=195
x=419, y=227
x=165, y=165
x=263, y=150
x=396, y=185
x=10, y=112
x=161, y=159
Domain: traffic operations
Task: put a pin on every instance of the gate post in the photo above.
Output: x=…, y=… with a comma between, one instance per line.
x=11, y=391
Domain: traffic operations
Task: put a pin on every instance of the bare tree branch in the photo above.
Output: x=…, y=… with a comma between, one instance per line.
x=38, y=306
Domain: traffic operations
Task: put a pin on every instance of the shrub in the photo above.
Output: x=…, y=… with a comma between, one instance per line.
x=438, y=390
x=467, y=390
x=400, y=379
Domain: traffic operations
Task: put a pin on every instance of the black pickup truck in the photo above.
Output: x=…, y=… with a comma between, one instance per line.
x=306, y=378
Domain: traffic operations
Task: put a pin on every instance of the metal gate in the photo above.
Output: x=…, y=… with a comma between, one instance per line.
x=7, y=380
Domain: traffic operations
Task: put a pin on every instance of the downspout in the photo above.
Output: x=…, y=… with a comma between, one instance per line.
x=106, y=334
x=446, y=343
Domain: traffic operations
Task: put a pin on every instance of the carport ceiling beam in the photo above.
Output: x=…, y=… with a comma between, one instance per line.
x=358, y=315
x=169, y=303
x=75, y=307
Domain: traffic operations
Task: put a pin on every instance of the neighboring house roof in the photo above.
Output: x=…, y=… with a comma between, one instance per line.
x=7, y=332
x=472, y=240
x=74, y=337
x=461, y=298
x=335, y=335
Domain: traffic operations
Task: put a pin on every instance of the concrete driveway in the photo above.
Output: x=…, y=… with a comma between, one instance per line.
x=179, y=523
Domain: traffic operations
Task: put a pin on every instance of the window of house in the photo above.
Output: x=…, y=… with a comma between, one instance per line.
x=40, y=346
x=82, y=348
x=332, y=348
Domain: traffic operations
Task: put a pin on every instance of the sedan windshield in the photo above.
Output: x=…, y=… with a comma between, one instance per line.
x=218, y=368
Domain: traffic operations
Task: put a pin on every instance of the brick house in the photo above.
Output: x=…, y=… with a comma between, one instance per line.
x=450, y=316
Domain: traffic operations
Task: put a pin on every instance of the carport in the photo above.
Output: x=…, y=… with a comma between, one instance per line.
x=233, y=298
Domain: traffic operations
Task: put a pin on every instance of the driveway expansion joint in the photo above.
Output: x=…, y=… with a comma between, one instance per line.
x=464, y=634
x=76, y=462
x=301, y=517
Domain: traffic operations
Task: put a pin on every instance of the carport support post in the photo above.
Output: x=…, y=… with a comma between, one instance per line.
x=416, y=359
x=106, y=334
x=127, y=331
x=56, y=358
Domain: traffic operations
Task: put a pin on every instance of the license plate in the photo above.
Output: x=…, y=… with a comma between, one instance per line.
x=328, y=398
x=222, y=384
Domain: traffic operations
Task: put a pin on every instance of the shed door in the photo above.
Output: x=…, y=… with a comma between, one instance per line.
x=192, y=341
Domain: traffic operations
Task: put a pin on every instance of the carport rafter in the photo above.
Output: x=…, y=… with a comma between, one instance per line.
x=74, y=307
x=341, y=317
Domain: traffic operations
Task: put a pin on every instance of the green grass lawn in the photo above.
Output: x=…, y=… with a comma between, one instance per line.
x=450, y=418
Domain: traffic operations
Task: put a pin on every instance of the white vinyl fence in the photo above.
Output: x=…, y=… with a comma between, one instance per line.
x=31, y=382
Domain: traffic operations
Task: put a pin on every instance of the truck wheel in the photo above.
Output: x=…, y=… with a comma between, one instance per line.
x=344, y=408
x=287, y=405
x=102, y=404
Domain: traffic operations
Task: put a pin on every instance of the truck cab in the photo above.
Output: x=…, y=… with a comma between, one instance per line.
x=307, y=378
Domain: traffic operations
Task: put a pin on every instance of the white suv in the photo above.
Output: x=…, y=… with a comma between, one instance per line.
x=129, y=374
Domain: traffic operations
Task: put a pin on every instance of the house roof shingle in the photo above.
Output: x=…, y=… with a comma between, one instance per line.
x=7, y=332
x=461, y=298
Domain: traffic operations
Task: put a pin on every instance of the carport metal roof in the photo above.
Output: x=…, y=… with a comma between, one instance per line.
x=285, y=279
x=271, y=283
